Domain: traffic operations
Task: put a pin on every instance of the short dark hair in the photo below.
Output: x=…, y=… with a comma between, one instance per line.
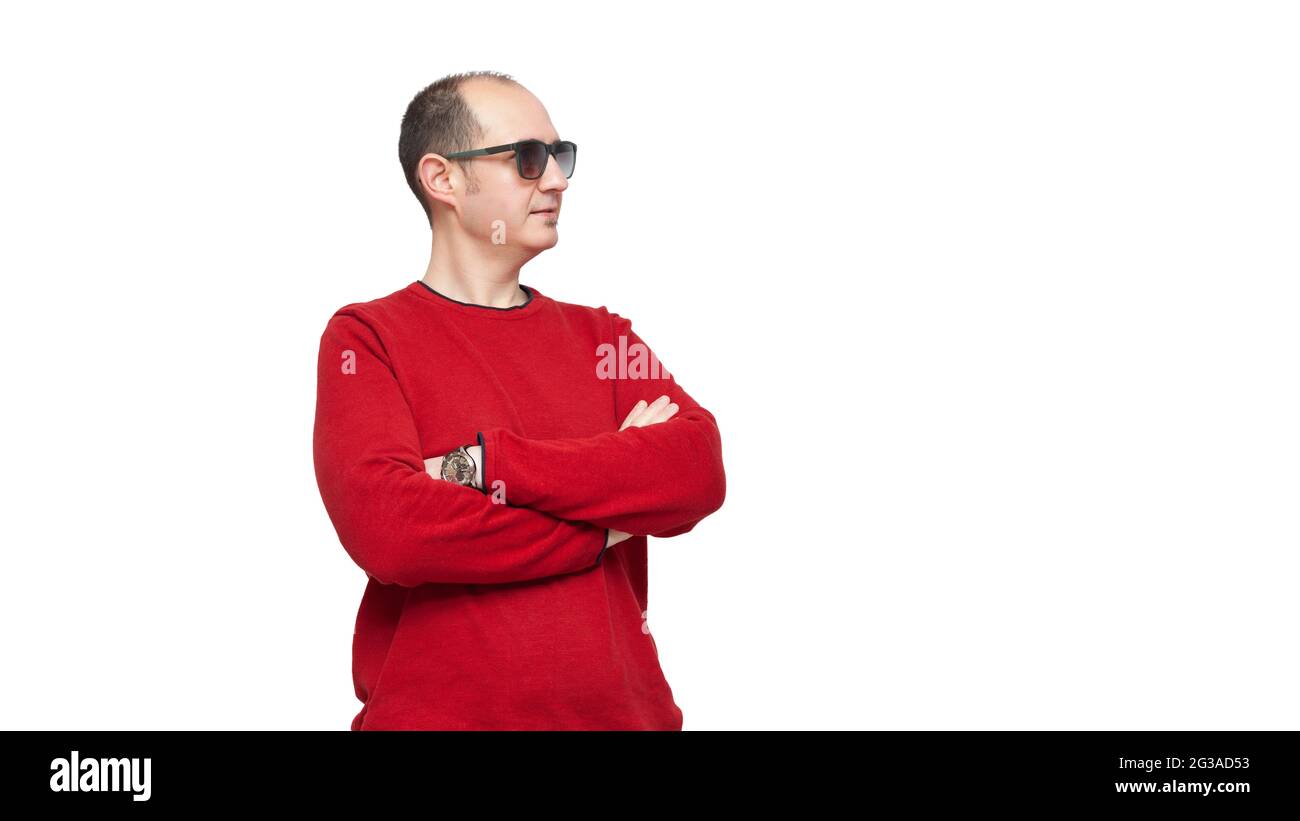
x=439, y=121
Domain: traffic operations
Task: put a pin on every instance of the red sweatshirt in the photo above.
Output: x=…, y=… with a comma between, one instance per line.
x=502, y=608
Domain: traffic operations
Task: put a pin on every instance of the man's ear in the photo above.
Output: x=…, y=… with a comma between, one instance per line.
x=436, y=176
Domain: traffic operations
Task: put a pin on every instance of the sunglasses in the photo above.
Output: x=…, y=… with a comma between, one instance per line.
x=531, y=156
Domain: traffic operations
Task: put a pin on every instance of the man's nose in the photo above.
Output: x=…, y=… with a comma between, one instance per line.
x=553, y=178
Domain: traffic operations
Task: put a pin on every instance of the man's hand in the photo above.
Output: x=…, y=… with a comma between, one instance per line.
x=660, y=410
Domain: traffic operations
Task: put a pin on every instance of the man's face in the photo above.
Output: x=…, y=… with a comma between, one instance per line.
x=501, y=211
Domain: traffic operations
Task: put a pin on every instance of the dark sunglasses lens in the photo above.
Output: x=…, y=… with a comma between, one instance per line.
x=566, y=155
x=532, y=160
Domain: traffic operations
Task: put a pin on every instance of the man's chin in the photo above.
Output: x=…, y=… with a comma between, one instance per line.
x=543, y=238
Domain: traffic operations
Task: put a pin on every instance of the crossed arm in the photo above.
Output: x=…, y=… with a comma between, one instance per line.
x=568, y=500
x=642, y=414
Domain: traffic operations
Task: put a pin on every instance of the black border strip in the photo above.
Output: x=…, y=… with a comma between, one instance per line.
x=523, y=304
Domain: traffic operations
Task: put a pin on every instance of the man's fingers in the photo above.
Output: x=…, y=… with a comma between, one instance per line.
x=643, y=414
x=654, y=416
x=633, y=414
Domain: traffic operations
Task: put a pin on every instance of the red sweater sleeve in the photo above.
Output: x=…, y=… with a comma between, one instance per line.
x=397, y=522
x=659, y=480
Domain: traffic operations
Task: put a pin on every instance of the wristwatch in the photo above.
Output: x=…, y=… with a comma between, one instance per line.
x=458, y=466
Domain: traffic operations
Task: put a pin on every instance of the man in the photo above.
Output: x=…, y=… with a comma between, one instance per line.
x=494, y=459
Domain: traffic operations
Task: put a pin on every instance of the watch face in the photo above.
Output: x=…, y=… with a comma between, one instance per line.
x=456, y=467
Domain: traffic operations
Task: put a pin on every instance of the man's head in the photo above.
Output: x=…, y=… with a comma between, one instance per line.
x=481, y=201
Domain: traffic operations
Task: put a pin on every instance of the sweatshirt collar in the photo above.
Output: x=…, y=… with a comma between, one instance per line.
x=529, y=307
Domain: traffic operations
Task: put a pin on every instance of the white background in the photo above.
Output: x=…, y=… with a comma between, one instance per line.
x=995, y=305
